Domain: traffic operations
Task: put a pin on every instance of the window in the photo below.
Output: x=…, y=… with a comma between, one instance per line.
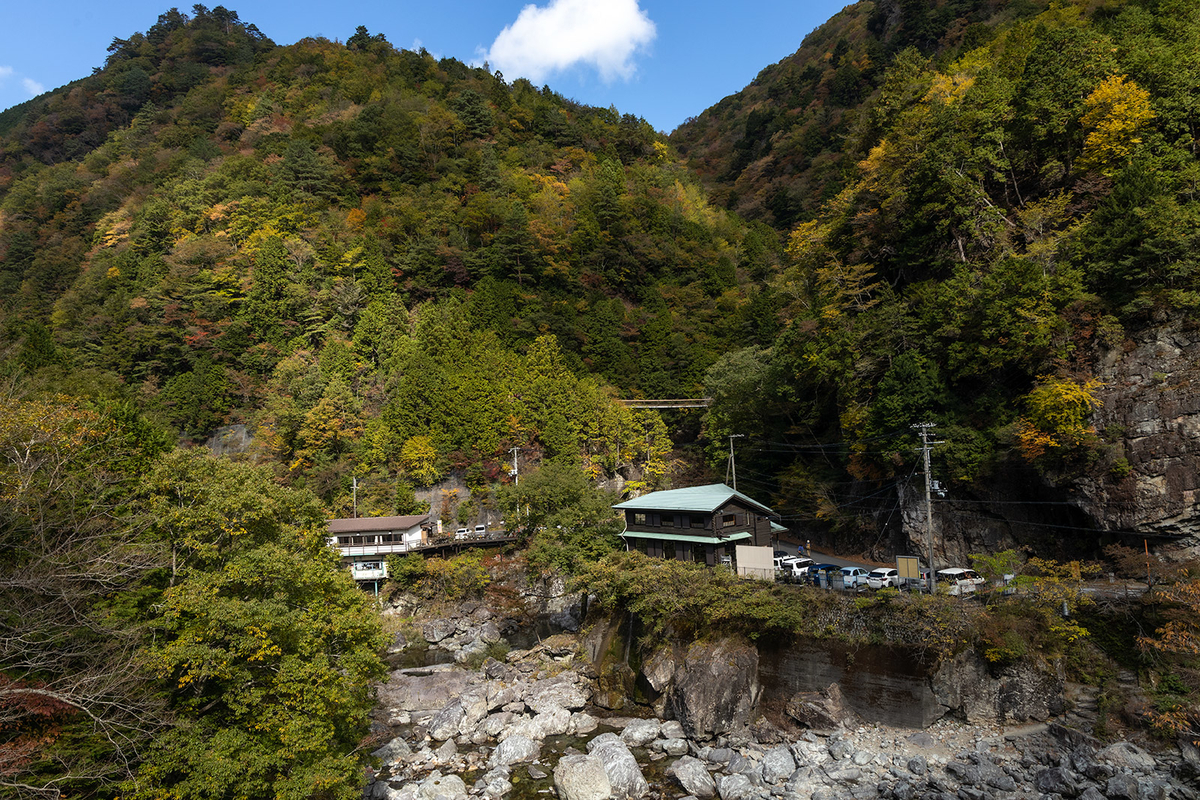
x=640, y=545
x=728, y=520
x=697, y=522
x=669, y=550
x=668, y=521
x=639, y=518
x=698, y=554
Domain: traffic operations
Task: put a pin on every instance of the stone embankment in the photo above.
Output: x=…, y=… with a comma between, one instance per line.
x=528, y=727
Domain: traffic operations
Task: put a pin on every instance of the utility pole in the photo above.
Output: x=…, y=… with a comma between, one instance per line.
x=924, y=431
x=354, y=495
x=732, y=463
x=516, y=477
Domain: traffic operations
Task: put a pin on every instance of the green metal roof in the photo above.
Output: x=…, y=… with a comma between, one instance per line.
x=682, y=537
x=693, y=498
x=777, y=528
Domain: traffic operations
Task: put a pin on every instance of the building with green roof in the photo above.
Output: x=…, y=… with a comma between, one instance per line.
x=697, y=523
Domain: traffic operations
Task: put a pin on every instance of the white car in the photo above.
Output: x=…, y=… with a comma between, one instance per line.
x=461, y=533
x=795, y=566
x=959, y=580
x=883, y=577
x=480, y=531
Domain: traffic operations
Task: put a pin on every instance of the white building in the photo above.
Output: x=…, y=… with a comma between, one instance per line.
x=366, y=542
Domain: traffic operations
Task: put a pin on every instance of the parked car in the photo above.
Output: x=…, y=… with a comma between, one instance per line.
x=960, y=580
x=883, y=577
x=814, y=571
x=854, y=577
x=797, y=565
x=461, y=533
x=480, y=531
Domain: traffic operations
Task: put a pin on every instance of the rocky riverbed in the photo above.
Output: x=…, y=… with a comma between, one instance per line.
x=528, y=727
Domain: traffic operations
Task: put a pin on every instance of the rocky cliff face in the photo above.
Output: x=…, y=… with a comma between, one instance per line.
x=1151, y=405
x=1146, y=480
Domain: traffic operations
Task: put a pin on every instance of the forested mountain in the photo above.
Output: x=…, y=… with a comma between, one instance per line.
x=385, y=263
x=1007, y=221
x=785, y=144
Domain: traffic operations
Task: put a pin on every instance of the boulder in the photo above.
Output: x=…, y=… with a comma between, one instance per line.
x=582, y=722
x=1056, y=780
x=778, y=765
x=674, y=747
x=640, y=732
x=619, y=764
x=556, y=694
x=438, y=630
x=427, y=692
x=659, y=668
x=823, y=710
x=581, y=777
x=446, y=722
x=514, y=750
x=393, y=751
x=716, y=689
x=735, y=787
x=671, y=730
x=693, y=777
x=441, y=787
x=1126, y=755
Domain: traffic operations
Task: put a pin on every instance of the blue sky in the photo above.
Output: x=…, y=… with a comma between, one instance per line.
x=664, y=60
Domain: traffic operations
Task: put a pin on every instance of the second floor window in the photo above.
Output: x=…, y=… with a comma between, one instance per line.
x=728, y=520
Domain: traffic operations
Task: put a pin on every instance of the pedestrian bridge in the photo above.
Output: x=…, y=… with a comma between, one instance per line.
x=698, y=402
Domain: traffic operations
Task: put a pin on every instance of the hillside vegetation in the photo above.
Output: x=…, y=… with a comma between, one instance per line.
x=1013, y=211
x=385, y=263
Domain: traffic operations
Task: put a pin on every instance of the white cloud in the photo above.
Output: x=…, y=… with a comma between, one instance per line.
x=6, y=72
x=604, y=34
x=33, y=87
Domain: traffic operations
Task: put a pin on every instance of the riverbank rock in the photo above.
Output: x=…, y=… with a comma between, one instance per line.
x=716, y=689
x=581, y=777
x=621, y=767
x=693, y=777
x=823, y=710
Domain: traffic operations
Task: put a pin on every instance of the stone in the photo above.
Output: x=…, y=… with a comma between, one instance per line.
x=840, y=749
x=917, y=765
x=446, y=722
x=619, y=764
x=439, y=629
x=1092, y=793
x=536, y=772
x=844, y=774
x=495, y=724
x=675, y=747
x=393, y=751
x=447, y=751
x=862, y=757
x=659, y=668
x=489, y=632
x=558, y=694
x=671, y=729
x=442, y=787
x=716, y=688
x=582, y=722
x=1126, y=755
x=514, y=750
x=475, y=710
x=581, y=777
x=495, y=784
x=823, y=710
x=778, y=765
x=693, y=777
x=640, y=732
x=1056, y=780
x=735, y=787
x=428, y=692
x=720, y=755
x=1122, y=787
